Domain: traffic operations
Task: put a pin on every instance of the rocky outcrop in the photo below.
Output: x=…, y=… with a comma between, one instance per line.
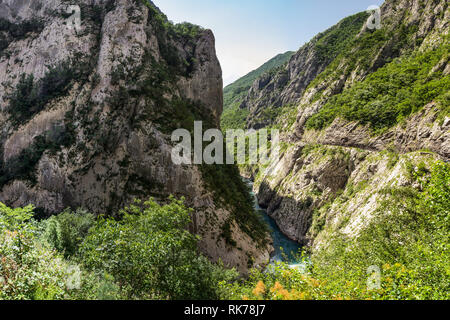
x=285, y=86
x=360, y=201
x=86, y=113
x=337, y=187
x=422, y=131
x=303, y=181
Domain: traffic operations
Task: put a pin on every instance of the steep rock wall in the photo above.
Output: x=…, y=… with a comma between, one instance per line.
x=87, y=114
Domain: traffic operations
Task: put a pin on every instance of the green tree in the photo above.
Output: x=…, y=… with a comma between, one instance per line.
x=66, y=231
x=30, y=270
x=151, y=254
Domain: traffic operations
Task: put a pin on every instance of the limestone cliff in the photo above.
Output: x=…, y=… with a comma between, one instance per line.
x=86, y=113
x=286, y=85
x=338, y=153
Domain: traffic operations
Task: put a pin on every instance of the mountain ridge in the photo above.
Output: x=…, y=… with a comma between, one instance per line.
x=87, y=116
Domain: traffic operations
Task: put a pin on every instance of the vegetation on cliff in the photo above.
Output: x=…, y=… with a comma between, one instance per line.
x=233, y=92
x=321, y=51
x=392, y=93
x=233, y=116
x=407, y=243
x=147, y=253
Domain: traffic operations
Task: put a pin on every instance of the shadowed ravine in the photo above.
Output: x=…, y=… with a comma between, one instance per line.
x=285, y=248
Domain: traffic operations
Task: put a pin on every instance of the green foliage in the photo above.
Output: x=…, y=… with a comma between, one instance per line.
x=23, y=165
x=23, y=98
x=147, y=254
x=16, y=31
x=232, y=193
x=151, y=254
x=272, y=114
x=66, y=231
x=186, y=30
x=227, y=234
x=358, y=54
x=234, y=117
x=181, y=113
x=390, y=94
x=409, y=237
x=19, y=30
x=278, y=282
x=30, y=270
x=336, y=39
x=234, y=92
x=328, y=45
x=15, y=220
x=31, y=97
x=167, y=33
x=407, y=240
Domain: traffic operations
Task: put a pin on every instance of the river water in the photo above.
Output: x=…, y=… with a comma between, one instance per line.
x=286, y=250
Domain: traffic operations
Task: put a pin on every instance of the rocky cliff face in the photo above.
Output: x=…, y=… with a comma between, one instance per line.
x=330, y=178
x=86, y=113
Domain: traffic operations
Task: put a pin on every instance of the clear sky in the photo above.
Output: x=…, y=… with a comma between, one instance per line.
x=250, y=32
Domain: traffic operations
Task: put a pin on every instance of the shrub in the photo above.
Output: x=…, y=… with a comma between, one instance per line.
x=151, y=254
x=234, y=118
x=23, y=165
x=30, y=97
x=336, y=39
x=66, y=231
x=390, y=94
x=232, y=193
x=29, y=270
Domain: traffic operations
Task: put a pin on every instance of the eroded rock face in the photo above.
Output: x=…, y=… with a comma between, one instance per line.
x=302, y=181
x=113, y=92
x=287, y=85
x=284, y=87
x=332, y=179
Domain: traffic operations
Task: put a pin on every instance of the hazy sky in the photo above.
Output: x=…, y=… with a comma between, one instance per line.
x=250, y=32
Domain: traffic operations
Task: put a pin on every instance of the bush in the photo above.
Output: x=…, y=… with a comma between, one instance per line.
x=19, y=30
x=30, y=97
x=336, y=39
x=148, y=254
x=23, y=165
x=234, y=118
x=29, y=270
x=390, y=94
x=232, y=193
